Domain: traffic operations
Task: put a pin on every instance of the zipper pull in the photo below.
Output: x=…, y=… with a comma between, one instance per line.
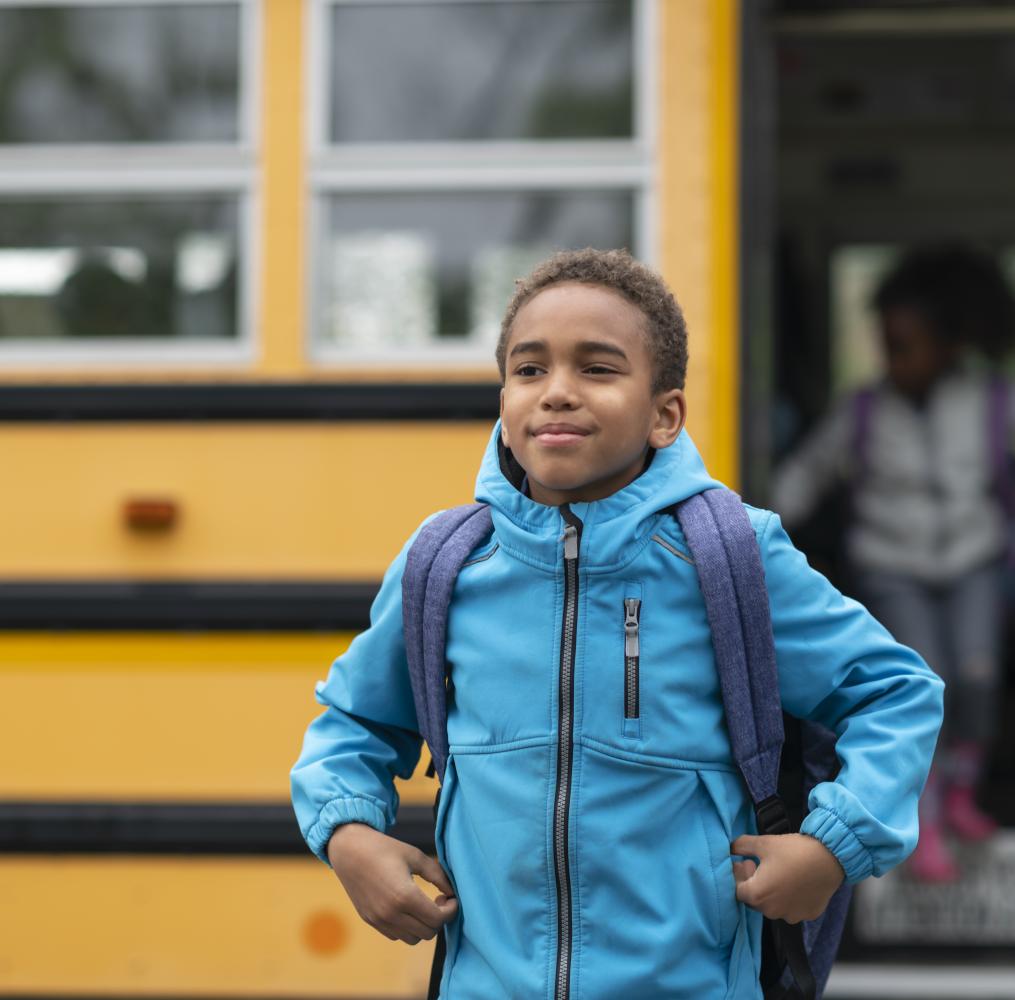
x=570, y=542
x=631, y=608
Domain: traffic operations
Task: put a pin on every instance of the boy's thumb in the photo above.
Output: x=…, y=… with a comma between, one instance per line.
x=743, y=870
x=747, y=846
x=431, y=870
x=445, y=902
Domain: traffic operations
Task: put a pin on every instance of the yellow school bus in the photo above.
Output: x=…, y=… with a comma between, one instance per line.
x=253, y=255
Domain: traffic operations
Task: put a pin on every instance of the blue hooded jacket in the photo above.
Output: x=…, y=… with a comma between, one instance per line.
x=588, y=837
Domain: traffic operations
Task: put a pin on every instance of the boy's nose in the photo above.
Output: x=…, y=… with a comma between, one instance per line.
x=559, y=393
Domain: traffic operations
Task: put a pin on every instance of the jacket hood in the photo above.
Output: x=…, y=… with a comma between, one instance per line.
x=614, y=529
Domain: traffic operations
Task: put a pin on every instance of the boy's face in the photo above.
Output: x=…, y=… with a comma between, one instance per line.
x=577, y=408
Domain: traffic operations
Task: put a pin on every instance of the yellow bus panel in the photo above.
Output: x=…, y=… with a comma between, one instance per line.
x=269, y=501
x=240, y=927
x=161, y=716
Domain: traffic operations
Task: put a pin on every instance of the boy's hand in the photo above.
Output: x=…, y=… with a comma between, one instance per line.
x=795, y=880
x=376, y=871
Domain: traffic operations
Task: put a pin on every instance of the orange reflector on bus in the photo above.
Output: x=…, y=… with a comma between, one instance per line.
x=324, y=933
x=150, y=513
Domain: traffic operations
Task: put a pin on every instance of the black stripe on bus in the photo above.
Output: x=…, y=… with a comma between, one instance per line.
x=173, y=828
x=273, y=401
x=222, y=605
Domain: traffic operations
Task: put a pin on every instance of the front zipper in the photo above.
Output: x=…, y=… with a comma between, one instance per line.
x=632, y=655
x=565, y=733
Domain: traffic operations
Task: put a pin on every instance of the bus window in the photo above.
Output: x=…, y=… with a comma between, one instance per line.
x=421, y=271
x=455, y=145
x=108, y=268
x=120, y=73
x=126, y=195
x=438, y=72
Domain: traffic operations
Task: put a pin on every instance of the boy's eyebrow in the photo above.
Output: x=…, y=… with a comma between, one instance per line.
x=525, y=346
x=584, y=347
x=601, y=347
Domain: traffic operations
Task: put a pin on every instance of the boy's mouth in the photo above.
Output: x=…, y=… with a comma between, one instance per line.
x=557, y=435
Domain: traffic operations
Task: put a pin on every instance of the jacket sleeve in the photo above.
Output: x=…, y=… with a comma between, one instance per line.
x=838, y=666
x=803, y=478
x=368, y=733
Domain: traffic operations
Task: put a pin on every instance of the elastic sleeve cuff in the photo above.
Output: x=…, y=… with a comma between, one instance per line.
x=337, y=812
x=825, y=826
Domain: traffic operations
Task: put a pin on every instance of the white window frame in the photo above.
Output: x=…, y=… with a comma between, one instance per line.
x=156, y=169
x=623, y=165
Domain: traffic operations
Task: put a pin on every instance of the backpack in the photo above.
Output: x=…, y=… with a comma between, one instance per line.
x=780, y=758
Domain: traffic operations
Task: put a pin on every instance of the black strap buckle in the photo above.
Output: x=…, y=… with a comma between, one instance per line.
x=772, y=816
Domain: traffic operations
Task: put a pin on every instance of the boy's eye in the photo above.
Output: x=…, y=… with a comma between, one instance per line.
x=600, y=370
x=525, y=370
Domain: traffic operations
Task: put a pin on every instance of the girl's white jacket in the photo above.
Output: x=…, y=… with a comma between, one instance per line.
x=924, y=503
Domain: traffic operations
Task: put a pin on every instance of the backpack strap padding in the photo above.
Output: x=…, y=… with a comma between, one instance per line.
x=431, y=568
x=726, y=555
x=728, y=560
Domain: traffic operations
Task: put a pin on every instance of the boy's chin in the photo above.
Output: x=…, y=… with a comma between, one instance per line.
x=560, y=485
x=559, y=481
x=555, y=491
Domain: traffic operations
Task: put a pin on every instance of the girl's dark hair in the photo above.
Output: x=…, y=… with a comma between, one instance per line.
x=641, y=286
x=961, y=293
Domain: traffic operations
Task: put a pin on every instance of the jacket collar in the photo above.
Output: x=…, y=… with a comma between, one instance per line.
x=614, y=529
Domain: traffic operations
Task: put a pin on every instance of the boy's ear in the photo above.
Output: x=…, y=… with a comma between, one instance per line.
x=670, y=415
x=503, y=429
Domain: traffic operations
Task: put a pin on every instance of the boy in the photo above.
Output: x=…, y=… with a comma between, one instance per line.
x=591, y=812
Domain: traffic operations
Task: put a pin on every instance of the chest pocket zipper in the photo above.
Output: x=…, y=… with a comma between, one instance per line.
x=632, y=665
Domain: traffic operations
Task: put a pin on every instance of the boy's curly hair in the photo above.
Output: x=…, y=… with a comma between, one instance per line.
x=641, y=286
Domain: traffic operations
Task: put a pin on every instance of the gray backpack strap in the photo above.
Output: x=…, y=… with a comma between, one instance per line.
x=726, y=556
x=431, y=569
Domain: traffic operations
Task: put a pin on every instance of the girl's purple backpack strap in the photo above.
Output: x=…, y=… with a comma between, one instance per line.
x=862, y=404
x=432, y=566
x=726, y=555
x=1000, y=452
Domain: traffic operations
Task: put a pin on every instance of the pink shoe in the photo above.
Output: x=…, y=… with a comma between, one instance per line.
x=932, y=861
x=965, y=817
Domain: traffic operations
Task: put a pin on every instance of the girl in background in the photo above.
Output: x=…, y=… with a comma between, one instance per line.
x=924, y=454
